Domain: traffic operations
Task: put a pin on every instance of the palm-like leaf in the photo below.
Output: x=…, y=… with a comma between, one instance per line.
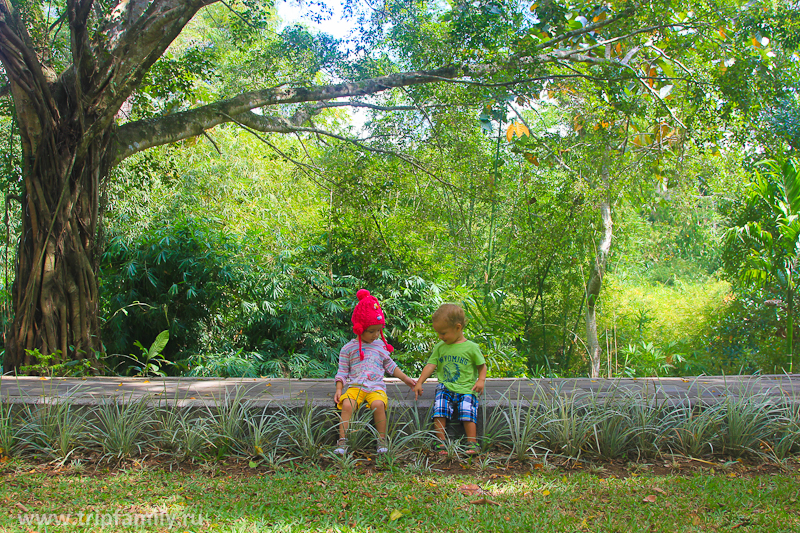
x=774, y=247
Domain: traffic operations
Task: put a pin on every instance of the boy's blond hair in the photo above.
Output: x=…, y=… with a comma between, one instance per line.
x=452, y=314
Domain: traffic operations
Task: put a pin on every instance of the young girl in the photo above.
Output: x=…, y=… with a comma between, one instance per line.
x=362, y=364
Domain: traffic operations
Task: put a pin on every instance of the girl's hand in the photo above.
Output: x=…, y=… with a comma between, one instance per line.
x=411, y=383
x=337, y=396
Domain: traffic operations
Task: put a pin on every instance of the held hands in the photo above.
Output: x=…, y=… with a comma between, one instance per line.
x=410, y=382
x=417, y=390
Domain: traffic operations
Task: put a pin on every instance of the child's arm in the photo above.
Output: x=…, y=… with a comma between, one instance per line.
x=339, y=386
x=342, y=374
x=481, y=382
x=400, y=375
x=426, y=373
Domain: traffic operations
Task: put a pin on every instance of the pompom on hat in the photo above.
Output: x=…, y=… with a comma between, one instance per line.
x=368, y=313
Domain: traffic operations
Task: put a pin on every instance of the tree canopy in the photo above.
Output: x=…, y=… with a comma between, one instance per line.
x=90, y=84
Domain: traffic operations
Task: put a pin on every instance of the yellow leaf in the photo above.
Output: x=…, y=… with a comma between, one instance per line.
x=545, y=493
x=516, y=128
x=722, y=33
x=397, y=513
x=755, y=42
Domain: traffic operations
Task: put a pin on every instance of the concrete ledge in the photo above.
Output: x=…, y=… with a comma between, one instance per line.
x=262, y=392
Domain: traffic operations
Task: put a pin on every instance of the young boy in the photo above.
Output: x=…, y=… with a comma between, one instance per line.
x=461, y=370
x=362, y=364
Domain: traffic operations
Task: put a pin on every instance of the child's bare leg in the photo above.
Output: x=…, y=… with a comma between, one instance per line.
x=439, y=424
x=471, y=431
x=347, y=413
x=379, y=416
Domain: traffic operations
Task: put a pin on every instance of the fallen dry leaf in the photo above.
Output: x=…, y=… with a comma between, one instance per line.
x=660, y=491
x=650, y=499
x=398, y=513
x=484, y=501
x=21, y=508
x=469, y=490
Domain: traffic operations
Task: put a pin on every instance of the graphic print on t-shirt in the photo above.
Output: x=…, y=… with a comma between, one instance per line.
x=450, y=372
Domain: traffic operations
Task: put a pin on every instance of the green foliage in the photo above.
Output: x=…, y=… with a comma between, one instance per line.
x=663, y=329
x=123, y=428
x=181, y=269
x=496, y=329
x=50, y=365
x=149, y=362
x=773, y=240
x=53, y=429
x=744, y=335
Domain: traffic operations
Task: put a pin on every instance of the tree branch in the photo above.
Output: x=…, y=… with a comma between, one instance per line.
x=137, y=136
x=281, y=125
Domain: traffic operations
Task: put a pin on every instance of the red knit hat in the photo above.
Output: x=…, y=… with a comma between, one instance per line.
x=368, y=313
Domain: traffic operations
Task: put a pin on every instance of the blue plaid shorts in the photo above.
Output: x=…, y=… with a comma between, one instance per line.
x=446, y=401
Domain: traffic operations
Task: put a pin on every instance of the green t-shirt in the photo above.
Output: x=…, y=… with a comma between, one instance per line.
x=457, y=365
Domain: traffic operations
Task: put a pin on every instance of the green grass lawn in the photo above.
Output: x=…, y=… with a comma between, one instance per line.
x=308, y=498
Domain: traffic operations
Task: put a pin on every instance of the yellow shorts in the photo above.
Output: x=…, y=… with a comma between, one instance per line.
x=360, y=396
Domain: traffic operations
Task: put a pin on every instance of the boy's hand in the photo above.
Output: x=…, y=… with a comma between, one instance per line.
x=417, y=390
x=478, y=387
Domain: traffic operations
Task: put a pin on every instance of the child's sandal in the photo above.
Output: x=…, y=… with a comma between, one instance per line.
x=382, y=447
x=440, y=448
x=473, y=448
x=341, y=447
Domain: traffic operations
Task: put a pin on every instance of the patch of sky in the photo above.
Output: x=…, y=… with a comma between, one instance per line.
x=330, y=17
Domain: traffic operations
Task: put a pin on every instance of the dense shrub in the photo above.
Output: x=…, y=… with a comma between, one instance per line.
x=234, y=310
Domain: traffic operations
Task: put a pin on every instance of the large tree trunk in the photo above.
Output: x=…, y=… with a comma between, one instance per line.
x=66, y=128
x=55, y=292
x=594, y=285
